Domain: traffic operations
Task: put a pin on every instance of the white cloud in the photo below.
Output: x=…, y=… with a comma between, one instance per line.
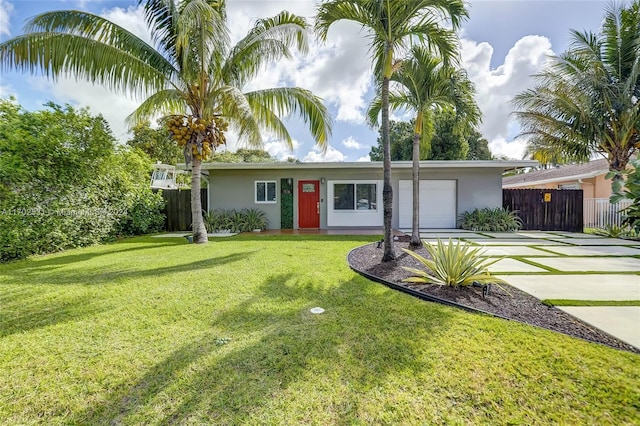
x=6, y=91
x=315, y=156
x=339, y=72
x=131, y=18
x=513, y=150
x=6, y=9
x=495, y=88
x=351, y=143
x=364, y=159
x=280, y=150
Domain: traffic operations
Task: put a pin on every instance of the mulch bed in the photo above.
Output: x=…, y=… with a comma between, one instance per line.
x=503, y=301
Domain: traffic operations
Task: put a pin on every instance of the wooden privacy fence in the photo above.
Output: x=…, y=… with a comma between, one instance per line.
x=178, y=208
x=546, y=209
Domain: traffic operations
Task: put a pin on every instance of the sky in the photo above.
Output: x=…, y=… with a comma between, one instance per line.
x=503, y=43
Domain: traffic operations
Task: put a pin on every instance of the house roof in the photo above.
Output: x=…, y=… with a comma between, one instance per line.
x=503, y=165
x=559, y=174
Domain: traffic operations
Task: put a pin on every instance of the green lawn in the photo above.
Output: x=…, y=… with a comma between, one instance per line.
x=156, y=331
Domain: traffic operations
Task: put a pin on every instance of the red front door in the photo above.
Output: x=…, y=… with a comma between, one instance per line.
x=309, y=204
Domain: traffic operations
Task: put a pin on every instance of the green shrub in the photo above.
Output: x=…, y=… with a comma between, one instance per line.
x=217, y=220
x=455, y=264
x=612, y=231
x=254, y=219
x=210, y=221
x=235, y=221
x=491, y=220
x=65, y=183
x=628, y=188
x=144, y=215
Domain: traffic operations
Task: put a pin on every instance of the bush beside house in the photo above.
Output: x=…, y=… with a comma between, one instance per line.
x=65, y=183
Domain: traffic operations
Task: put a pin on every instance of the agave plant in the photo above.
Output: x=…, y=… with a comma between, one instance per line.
x=209, y=218
x=453, y=264
x=612, y=231
x=486, y=220
x=254, y=219
x=215, y=220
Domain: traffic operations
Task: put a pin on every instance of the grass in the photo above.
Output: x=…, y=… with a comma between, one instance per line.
x=155, y=331
x=566, y=302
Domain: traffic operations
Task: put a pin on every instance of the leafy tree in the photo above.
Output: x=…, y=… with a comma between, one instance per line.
x=64, y=183
x=392, y=26
x=444, y=144
x=243, y=155
x=401, y=137
x=50, y=150
x=449, y=141
x=156, y=143
x=425, y=84
x=588, y=100
x=478, y=147
x=192, y=75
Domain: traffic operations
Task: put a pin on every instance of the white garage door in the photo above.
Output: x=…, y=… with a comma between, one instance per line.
x=437, y=204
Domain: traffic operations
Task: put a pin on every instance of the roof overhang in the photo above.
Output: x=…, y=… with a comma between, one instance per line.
x=377, y=165
x=554, y=180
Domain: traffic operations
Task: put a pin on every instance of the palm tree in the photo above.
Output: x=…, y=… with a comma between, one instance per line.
x=588, y=100
x=423, y=84
x=192, y=75
x=392, y=26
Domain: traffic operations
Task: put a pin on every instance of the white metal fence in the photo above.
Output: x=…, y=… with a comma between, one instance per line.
x=599, y=212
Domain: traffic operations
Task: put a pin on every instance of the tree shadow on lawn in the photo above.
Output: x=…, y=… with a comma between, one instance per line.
x=363, y=338
x=49, y=262
x=115, y=275
x=21, y=317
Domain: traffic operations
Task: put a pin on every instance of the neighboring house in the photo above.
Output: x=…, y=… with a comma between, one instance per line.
x=589, y=177
x=349, y=195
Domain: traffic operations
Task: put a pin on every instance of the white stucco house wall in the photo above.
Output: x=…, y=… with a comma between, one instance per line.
x=349, y=195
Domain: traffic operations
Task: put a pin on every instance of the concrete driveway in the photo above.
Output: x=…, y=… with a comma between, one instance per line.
x=569, y=266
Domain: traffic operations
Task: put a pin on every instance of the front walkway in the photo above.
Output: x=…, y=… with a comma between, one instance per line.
x=568, y=266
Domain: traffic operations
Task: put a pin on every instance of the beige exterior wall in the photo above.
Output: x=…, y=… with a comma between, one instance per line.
x=602, y=187
x=595, y=187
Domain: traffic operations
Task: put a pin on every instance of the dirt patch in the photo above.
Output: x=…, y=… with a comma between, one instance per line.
x=504, y=300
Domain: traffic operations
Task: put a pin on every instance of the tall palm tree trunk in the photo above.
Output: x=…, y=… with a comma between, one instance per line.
x=415, y=230
x=387, y=191
x=197, y=223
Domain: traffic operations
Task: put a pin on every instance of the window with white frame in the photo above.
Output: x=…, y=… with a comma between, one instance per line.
x=355, y=196
x=265, y=191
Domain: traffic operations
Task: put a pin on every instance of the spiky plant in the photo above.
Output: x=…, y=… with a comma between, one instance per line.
x=454, y=264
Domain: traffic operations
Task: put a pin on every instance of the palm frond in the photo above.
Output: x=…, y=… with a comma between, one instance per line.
x=231, y=104
x=56, y=55
x=328, y=13
x=296, y=101
x=94, y=27
x=269, y=40
x=162, y=18
x=202, y=33
x=161, y=103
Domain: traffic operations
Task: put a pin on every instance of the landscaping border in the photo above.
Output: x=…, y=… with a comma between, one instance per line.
x=429, y=298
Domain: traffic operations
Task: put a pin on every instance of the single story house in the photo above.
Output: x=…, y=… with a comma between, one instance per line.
x=590, y=177
x=349, y=195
